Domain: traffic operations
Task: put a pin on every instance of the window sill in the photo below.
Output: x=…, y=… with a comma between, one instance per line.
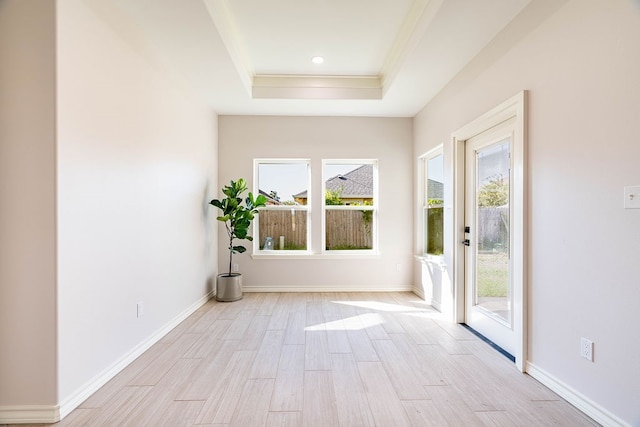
x=310, y=255
x=431, y=259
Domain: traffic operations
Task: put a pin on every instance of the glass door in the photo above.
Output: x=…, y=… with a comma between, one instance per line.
x=488, y=281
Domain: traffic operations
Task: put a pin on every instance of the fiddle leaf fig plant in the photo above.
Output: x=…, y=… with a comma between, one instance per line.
x=237, y=216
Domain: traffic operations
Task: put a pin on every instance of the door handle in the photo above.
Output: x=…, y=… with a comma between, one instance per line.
x=466, y=242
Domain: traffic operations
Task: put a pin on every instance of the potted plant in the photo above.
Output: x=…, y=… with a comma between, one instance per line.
x=237, y=220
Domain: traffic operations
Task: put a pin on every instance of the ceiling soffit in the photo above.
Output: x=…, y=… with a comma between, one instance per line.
x=286, y=85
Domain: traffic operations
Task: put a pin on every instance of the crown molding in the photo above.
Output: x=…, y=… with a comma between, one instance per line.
x=418, y=20
x=223, y=19
x=316, y=87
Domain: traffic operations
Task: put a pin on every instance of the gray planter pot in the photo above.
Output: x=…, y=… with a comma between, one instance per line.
x=229, y=288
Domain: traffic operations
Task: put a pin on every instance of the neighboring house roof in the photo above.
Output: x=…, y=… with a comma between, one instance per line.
x=270, y=199
x=435, y=189
x=357, y=183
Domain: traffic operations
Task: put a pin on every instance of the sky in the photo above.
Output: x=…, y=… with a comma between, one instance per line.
x=291, y=178
x=435, y=169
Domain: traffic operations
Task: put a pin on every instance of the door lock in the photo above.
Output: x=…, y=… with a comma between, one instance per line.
x=466, y=242
x=467, y=229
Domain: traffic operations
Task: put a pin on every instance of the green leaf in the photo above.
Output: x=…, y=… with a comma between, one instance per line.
x=217, y=203
x=241, y=233
x=239, y=249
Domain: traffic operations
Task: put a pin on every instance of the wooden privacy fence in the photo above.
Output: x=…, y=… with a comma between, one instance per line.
x=346, y=229
x=276, y=223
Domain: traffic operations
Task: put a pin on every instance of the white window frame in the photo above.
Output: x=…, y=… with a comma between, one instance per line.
x=374, y=207
x=257, y=250
x=424, y=202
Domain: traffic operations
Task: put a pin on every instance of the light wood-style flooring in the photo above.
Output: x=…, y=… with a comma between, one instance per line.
x=322, y=359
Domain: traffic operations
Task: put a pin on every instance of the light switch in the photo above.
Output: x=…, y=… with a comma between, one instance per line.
x=632, y=197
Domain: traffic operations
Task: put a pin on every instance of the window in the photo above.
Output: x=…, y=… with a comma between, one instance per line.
x=283, y=224
x=433, y=202
x=350, y=189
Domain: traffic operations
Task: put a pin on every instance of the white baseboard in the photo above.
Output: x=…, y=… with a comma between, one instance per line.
x=419, y=292
x=29, y=414
x=577, y=399
x=80, y=395
x=324, y=288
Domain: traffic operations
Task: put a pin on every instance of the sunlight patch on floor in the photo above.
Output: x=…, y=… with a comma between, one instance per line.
x=354, y=323
x=380, y=306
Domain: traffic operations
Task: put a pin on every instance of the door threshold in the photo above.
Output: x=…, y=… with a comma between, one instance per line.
x=493, y=345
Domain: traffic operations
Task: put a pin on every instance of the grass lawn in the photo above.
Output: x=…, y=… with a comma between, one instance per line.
x=493, y=274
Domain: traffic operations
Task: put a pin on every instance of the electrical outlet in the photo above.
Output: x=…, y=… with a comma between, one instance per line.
x=398, y=267
x=140, y=309
x=236, y=267
x=586, y=349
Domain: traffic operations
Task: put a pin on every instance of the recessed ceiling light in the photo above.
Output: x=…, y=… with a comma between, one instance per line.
x=317, y=59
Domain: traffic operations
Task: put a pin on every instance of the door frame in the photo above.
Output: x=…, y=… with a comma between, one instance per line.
x=513, y=107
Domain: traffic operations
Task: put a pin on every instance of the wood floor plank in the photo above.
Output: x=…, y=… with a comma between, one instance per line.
x=317, y=352
x=180, y=413
x=424, y=413
x=452, y=346
x=319, y=407
x=330, y=304
x=426, y=372
x=150, y=408
x=315, y=316
x=288, y=390
x=268, y=357
x=419, y=329
x=546, y=413
x=361, y=346
x=220, y=406
x=296, y=323
x=385, y=405
x=117, y=409
x=373, y=326
x=205, y=320
x=279, y=319
x=269, y=304
x=451, y=405
x=209, y=342
x=163, y=363
x=230, y=310
x=400, y=372
x=239, y=325
x=284, y=419
x=253, y=405
x=351, y=398
x=254, y=334
x=202, y=384
x=391, y=324
x=254, y=300
x=77, y=418
x=483, y=392
x=337, y=339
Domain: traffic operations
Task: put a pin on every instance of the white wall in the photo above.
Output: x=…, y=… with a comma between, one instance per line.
x=27, y=204
x=581, y=67
x=136, y=168
x=243, y=138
